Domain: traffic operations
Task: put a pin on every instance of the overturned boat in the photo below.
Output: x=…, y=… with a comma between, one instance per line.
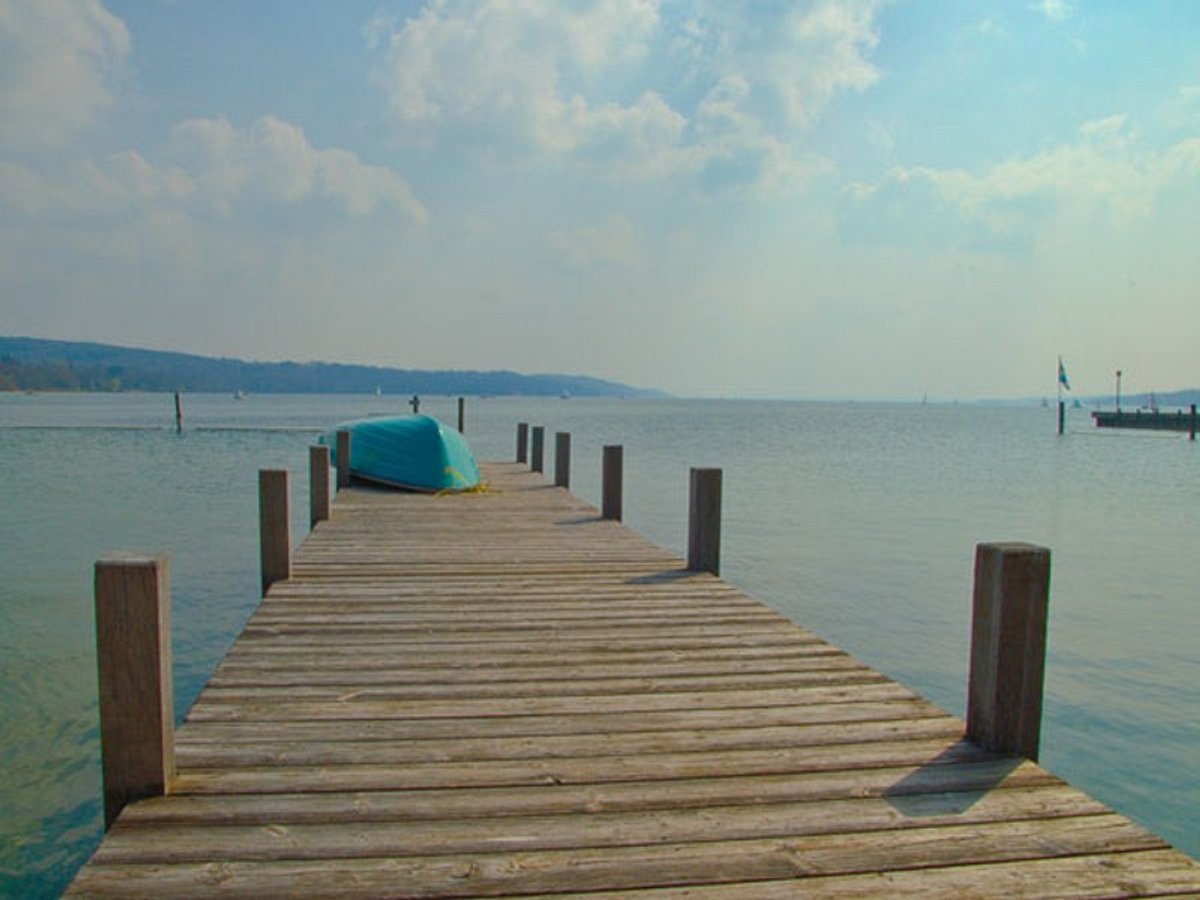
x=417, y=453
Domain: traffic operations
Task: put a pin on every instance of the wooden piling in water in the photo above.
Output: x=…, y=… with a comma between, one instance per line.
x=562, y=459
x=274, y=527
x=611, y=482
x=1062, y=416
x=343, y=459
x=1193, y=430
x=133, y=653
x=178, y=413
x=318, y=484
x=522, y=442
x=537, y=450
x=704, y=520
x=1008, y=647
x=462, y=415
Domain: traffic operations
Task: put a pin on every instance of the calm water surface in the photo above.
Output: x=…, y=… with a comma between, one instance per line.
x=857, y=520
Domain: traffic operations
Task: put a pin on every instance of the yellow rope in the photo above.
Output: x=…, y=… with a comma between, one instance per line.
x=480, y=487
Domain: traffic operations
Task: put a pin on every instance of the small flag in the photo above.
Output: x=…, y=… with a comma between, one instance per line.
x=1062, y=375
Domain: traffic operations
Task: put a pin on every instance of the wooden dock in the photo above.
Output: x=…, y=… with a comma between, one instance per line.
x=1150, y=420
x=502, y=694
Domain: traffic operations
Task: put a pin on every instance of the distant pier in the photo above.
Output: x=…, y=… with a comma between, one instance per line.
x=1151, y=420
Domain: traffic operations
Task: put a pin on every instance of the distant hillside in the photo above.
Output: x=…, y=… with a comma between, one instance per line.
x=33, y=364
x=1168, y=400
x=1165, y=400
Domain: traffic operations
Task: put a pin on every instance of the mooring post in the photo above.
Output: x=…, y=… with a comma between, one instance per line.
x=318, y=484
x=537, y=449
x=522, y=442
x=343, y=459
x=133, y=654
x=704, y=520
x=1008, y=647
x=610, y=482
x=1062, y=416
x=178, y=413
x=274, y=526
x=462, y=415
x=1193, y=429
x=562, y=459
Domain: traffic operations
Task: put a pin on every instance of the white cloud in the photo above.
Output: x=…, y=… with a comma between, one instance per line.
x=272, y=161
x=507, y=67
x=990, y=26
x=58, y=59
x=1182, y=112
x=1102, y=171
x=21, y=189
x=109, y=185
x=822, y=55
x=615, y=241
x=879, y=135
x=1054, y=10
x=531, y=81
x=1105, y=176
x=1114, y=126
x=126, y=180
x=209, y=164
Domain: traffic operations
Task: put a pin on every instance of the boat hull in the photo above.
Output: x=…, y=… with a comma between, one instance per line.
x=417, y=453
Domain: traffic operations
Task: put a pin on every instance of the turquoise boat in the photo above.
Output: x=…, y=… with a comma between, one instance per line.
x=417, y=453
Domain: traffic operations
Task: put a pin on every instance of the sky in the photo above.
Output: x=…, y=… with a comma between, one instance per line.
x=811, y=199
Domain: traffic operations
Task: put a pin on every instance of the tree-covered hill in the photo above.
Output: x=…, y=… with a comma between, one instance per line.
x=35, y=364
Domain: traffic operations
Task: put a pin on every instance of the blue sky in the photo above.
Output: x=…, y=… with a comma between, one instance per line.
x=810, y=199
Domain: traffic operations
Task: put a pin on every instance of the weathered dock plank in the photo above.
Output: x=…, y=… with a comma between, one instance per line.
x=502, y=694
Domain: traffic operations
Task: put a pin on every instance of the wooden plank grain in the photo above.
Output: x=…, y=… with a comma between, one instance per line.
x=964, y=776
x=1149, y=873
x=444, y=708
x=645, y=867
x=265, y=752
x=538, y=771
x=502, y=694
x=200, y=843
x=577, y=723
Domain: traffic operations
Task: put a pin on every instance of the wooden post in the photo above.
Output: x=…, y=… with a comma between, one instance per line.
x=462, y=415
x=562, y=459
x=274, y=526
x=178, y=413
x=1008, y=647
x=318, y=484
x=611, y=482
x=704, y=520
x=1193, y=421
x=133, y=653
x=537, y=449
x=1062, y=416
x=343, y=459
x=522, y=442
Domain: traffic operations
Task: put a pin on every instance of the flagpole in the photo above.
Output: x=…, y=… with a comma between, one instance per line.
x=1062, y=409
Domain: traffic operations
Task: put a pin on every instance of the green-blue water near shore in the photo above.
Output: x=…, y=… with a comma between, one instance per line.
x=857, y=520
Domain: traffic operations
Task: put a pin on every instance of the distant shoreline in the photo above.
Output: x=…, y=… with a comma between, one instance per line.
x=66, y=366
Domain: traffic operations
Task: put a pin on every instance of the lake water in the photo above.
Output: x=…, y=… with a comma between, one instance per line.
x=857, y=520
